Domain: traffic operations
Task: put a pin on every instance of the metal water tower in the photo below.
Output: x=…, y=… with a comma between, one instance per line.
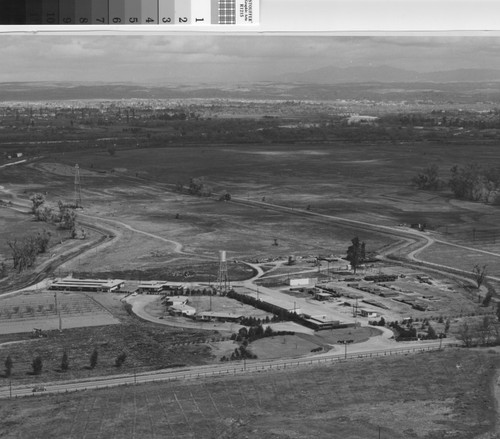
x=223, y=277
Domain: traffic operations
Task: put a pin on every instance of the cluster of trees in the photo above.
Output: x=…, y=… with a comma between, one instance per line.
x=65, y=217
x=483, y=332
x=439, y=118
x=246, y=336
x=25, y=251
x=37, y=363
x=256, y=333
x=240, y=353
x=471, y=182
x=409, y=331
x=428, y=179
x=380, y=322
x=254, y=321
x=197, y=186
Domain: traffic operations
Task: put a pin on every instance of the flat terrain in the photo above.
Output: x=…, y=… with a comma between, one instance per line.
x=133, y=194
x=41, y=309
x=427, y=396
x=146, y=345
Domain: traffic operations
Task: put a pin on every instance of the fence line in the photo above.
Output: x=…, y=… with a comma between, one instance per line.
x=247, y=368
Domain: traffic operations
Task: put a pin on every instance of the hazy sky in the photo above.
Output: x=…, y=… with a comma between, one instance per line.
x=212, y=58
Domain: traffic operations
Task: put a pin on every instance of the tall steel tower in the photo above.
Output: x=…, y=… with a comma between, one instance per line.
x=78, y=188
x=223, y=278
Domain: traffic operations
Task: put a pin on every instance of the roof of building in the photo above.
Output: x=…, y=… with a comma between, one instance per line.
x=323, y=319
x=220, y=315
x=323, y=294
x=91, y=283
x=182, y=308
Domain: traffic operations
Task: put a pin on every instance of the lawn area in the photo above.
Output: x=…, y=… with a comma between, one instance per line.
x=282, y=346
x=416, y=396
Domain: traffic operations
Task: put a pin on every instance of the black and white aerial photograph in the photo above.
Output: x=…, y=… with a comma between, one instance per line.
x=213, y=236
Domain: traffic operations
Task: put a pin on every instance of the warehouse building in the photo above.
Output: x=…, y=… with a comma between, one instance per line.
x=87, y=285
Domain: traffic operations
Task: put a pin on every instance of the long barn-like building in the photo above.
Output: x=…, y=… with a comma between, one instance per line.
x=88, y=285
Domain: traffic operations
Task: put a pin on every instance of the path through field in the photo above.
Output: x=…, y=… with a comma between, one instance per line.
x=411, y=236
x=177, y=246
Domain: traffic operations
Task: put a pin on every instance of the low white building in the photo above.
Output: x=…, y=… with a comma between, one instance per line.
x=182, y=310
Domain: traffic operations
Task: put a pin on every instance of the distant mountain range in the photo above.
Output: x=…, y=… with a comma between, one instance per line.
x=387, y=74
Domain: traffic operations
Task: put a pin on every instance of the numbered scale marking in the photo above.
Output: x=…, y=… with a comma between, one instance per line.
x=130, y=12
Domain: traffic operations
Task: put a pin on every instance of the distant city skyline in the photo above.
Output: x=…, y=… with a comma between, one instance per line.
x=231, y=59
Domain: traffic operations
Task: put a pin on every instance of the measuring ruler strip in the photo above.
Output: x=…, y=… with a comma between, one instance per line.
x=129, y=12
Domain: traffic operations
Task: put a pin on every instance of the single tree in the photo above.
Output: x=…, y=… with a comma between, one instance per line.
x=8, y=366
x=67, y=219
x=37, y=199
x=431, y=333
x=485, y=331
x=487, y=299
x=4, y=270
x=120, y=359
x=447, y=326
x=466, y=334
x=112, y=150
x=37, y=365
x=43, y=240
x=356, y=253
x=93, y=359
x=479, y=274
x=428, y=179
x=64, y=362
x=491, y=182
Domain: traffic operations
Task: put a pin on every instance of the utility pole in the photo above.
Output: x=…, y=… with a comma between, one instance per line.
x=345, y=343
x=78, y=189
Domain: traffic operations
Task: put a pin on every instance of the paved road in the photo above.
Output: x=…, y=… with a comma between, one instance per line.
x=354, y=352
x=411, y=236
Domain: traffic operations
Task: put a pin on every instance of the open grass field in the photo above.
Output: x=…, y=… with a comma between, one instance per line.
x=133, y=190
x=461, y=258
x=346, y=178
x=427, y=396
